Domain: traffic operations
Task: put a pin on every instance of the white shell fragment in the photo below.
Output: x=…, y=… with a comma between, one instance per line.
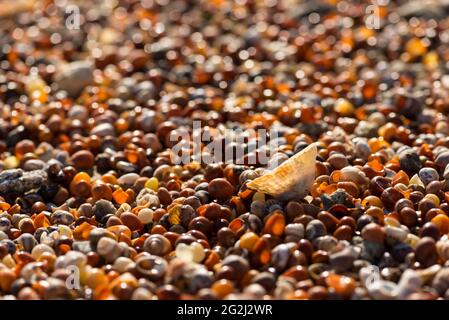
x=292, y=179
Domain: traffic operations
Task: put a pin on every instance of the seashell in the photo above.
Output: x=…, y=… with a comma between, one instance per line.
x=151, y=267
x=193, y=252
x=293, y=178
x=443, y=249
x=157, y=244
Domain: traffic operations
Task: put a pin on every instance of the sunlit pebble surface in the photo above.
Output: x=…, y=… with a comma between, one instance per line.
x=92, y=206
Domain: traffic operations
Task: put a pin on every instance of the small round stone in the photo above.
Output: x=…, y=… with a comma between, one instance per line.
x=220, y=189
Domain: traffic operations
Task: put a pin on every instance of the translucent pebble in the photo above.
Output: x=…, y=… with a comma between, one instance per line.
x=65, y=231
x=11, y=162
x=415, y=180
x=193, y=252
x=152, y=184
x=344, y=107
x=434, y=198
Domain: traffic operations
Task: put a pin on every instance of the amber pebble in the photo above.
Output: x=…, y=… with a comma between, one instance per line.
x=261, y=251
x=275, y=224
x=41, y=221
x=212, y=259
x=7, y=276
x=83, y=159
x=220, y=189
x=377, y=213
x=248, y=240
x=442, y=223
x=372, y=201
x=373, y=232
x=401, y=177
x=120, y=196
x=131, y=221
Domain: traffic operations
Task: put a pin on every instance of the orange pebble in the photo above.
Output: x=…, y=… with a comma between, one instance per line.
x=120, y=196
x=275, y=224
x=222, y=288
x=442, y=222
x=342, y=285
x=82, y=231
x=41, y=221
